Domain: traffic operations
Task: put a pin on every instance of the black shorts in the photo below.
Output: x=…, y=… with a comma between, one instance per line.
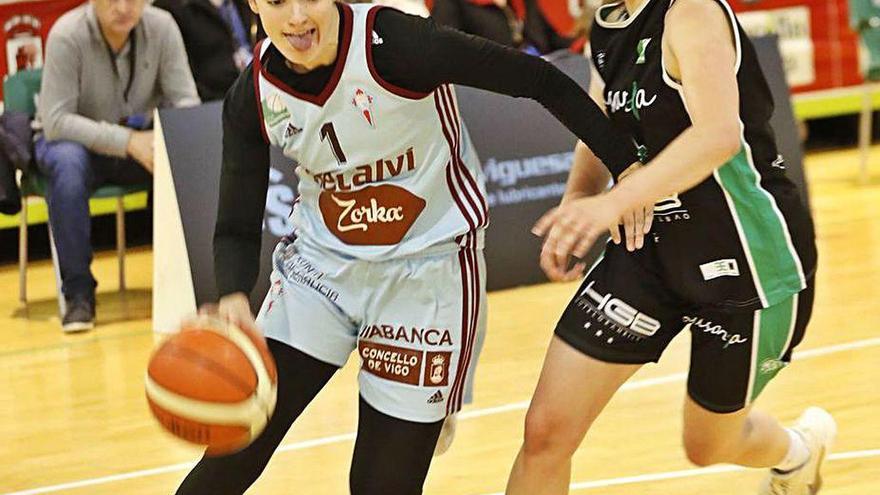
x=624, y=313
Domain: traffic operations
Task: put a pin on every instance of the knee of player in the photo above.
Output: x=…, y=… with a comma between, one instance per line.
x=549, y=433
x=706, y=450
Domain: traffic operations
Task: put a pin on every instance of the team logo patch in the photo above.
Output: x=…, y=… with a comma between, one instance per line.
x=274, y=110
x=363, y=102
x=641, y=49
x=437, y=369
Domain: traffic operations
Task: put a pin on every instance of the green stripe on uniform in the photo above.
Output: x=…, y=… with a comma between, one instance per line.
x=774, y=328
x=765, y=232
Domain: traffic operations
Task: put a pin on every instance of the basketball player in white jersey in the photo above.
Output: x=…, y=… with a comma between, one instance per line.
x=730, y=255
x=389, y=222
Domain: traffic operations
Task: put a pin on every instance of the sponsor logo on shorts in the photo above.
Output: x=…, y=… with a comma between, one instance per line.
x=627, y=318
x=391, y=362
x=404, y=365
x=373, y=216
x=301, y=271
x=771, y=365
x=719, y=268
x=729, y=339
x=410, y=335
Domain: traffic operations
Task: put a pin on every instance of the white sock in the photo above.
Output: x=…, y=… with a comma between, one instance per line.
x=798, y=454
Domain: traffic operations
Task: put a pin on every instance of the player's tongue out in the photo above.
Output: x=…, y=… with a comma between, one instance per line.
x=302, y=40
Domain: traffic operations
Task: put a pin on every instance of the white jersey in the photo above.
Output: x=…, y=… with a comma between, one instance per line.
x=384, y=172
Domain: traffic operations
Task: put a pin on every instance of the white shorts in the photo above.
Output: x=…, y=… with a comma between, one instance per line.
x=417, y=323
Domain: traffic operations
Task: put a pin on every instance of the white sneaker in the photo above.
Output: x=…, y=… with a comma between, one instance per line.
x=447, y=435
x=818, y=430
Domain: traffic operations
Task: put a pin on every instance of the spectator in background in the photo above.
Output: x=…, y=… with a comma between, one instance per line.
x=412, y=7
x=108, y=64
x=515, y=23
x=219, y=36
x=498, y=20
x=583, y=15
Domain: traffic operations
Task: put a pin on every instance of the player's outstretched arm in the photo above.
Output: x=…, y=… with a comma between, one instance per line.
x=435, y=55
x=588, y=177
x=699, y=49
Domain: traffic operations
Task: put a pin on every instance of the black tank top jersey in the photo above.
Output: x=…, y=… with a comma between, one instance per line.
x=742, y=238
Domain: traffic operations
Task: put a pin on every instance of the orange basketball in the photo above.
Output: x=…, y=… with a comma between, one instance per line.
x=214, y=384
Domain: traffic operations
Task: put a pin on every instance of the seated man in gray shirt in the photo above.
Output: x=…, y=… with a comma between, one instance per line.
x=108, y=65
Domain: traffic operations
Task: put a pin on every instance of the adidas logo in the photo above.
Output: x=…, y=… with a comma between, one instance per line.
x=437, y=397
x=291, y=130
x=377, y=40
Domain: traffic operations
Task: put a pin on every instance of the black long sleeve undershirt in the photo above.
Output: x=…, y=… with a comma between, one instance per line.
x=415, y=54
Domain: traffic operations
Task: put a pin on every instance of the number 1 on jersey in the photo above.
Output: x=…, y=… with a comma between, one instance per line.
x=328, y=132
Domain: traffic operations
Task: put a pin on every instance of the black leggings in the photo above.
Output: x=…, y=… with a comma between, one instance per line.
x=391, y=456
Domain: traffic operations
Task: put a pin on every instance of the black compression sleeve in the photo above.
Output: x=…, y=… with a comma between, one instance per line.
x=418, y=54
x=244, y=180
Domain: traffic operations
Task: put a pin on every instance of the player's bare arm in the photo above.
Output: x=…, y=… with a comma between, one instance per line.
x=699, y=47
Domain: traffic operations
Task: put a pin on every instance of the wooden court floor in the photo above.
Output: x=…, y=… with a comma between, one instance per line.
x=73, y=417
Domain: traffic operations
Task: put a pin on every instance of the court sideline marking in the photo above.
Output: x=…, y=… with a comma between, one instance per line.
x=639, y=384
x=690, y=473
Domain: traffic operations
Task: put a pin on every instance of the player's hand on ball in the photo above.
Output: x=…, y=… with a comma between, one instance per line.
x=236, y=307
x=571, y=228
x=636, y=223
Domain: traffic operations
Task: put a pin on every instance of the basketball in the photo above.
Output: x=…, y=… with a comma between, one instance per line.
x=214, y=384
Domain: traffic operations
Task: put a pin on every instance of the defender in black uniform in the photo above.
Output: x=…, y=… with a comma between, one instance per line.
x=729, y=255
